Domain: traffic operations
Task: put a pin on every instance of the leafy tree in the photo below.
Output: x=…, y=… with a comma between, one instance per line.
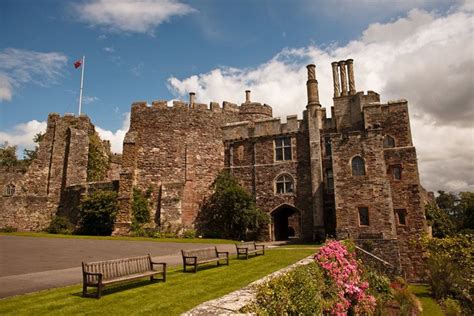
x=466, y=204
x=8, y=156
x=230, y=212
x=97, y=213
x=31, y=154
x=439, y=220
x=459, y=208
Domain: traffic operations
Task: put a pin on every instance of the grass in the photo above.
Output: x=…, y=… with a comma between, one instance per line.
x=179, y=240
x=429, y=304
x=181, y=292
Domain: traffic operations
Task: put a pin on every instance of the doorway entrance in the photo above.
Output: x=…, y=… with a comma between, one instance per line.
x=285, y=223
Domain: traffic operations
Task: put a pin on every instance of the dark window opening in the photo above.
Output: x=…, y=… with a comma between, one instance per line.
x=330, y=180
x=358, y=166
x=9, y=190
x=283, y=148
x=397, y=172
x=364, y=216
x=327, y=146
x=401, y=216
x=284, y=184
x=388, y=142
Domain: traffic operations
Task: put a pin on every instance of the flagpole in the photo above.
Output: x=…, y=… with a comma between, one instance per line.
x=82, y=82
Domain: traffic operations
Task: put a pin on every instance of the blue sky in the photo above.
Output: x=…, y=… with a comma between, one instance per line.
x=151, y=49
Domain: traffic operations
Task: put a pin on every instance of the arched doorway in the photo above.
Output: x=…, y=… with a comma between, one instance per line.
x=285, y=223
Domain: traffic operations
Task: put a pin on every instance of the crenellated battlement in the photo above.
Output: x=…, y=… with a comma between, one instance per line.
x=139, y=106
x=261, y=128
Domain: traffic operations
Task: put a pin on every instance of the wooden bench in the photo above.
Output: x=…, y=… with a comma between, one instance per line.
x=201, y=256
x=101, y=273
x=246, y=248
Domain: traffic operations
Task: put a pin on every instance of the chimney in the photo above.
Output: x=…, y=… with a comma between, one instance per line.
x=342, y=66
x=350, y=70
x=335, y=79
x=312, y=86
x=247, y=96
x=192, y=97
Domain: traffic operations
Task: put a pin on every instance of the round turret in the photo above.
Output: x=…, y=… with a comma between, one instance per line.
x=252, y=111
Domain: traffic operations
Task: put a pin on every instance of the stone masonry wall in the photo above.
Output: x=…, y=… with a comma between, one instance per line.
x=176, y=151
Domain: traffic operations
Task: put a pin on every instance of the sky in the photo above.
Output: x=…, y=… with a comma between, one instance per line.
x=419, y=50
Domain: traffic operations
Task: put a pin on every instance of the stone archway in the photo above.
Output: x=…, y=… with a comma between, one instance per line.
x=285, y=222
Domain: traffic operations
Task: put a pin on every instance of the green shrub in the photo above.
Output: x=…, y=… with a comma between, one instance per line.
x=451, y=307
x=451, y=265
x=230, y=212
x=379, y=287
x=97, y=213
x=8, y=229
x=60, y=225
x=439, y=220
x=189, y=233
x=140, y=208
x=302, y=291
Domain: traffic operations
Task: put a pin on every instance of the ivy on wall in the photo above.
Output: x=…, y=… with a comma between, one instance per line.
x=98, y=159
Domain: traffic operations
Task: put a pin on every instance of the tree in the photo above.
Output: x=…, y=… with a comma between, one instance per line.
x=30, y=154
x=439, y=220
x=8, y=156
x=466, y=204
x=97, y=213
x=230, y=212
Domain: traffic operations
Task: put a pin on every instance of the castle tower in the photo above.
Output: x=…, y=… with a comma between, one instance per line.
x=252, y=111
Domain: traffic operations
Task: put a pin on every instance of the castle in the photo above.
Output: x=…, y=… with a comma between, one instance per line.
x=353, y=175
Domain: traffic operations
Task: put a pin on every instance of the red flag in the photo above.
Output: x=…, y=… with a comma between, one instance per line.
x=78, y=63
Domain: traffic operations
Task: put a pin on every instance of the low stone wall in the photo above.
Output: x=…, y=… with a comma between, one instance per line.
x=26, y=213
x=232, y=303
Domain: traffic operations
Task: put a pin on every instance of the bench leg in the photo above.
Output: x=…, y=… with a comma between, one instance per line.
x=84, y=290
x=99, y=291
x=152, y=278
x=195, y=268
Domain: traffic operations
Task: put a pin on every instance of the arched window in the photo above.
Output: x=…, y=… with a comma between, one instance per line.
x=9, y=190
x=284, y=184
x=358, y=166
x=388, y=142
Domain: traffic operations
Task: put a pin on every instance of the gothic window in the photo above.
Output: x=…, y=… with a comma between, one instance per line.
x=9, y=190
x=388, y=142
x=396, y=172
x=284, y=184
x=330, y=180
x=364, y=216
x=283, y=148
x=327, y=146
x=358, y=166
x=401, y=216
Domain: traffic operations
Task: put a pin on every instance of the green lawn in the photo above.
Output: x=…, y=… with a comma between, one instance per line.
x=181, y=292
x=181, y=240
x=429, y=304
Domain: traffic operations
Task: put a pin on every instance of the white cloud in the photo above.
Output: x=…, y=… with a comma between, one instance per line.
x=136, y=16
x=22, y=135
x=109, y=49
x=115, y=138
x=423, y=57
x=89, y=99
x=19, y=67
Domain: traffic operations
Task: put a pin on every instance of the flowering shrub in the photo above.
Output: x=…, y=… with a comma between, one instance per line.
x=341, y=266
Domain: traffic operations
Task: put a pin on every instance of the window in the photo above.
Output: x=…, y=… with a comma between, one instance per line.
x=284, y=184
x=9, y=190
x=388, y=142
x=327, y=146
x=401, y=216
x=396, y=172
x=358, y=166
x=364, y=216
x=330, y=180
x=283, y=148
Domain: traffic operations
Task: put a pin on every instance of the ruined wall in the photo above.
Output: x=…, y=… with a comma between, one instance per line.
x=62, y=160
x=176, y=151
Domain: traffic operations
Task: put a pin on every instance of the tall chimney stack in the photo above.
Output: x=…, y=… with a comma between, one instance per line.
x=350, y=70
x=342, y=65
x=335, y=79
x=192, y=97
x=247, y=96
x=312, y=86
